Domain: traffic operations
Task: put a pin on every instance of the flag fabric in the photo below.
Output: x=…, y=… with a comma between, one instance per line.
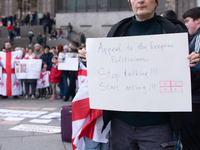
x=82, y=74
x=10, y=85
x=30, y=56
x=86, y=122
x=43, y=82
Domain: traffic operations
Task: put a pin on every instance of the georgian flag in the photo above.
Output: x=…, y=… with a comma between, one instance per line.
x=82, y=74
x=43, y=82
x=10, y=86
x=86, y=122
x=30, y=57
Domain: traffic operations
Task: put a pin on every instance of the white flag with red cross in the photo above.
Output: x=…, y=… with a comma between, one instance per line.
x=43, y=82
x=82, y=74
x=86, y=122
x=10, y=85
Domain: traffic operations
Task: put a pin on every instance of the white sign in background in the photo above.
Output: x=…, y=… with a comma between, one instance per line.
x=139, y=73
x=68, y=61
x=28, y=69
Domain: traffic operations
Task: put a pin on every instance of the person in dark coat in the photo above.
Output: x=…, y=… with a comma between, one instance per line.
x=27, y=19
x=82, y=39
x=47, y=57
x=39, y=38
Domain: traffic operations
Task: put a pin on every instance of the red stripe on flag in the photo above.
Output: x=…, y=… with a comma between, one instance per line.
x=8, y=71
x=80, y=109
x=73, y=146
x=82, y=72
x=88, y=129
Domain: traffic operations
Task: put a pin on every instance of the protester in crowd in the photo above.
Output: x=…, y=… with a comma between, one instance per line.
x=39, y=38
x=40, y=16
x=9, y=28
x=23, y=18
x=8, y=74
x=44, y=17
x=10, y=19
x=54, y=76
x=60, y=34
x=63, y=81
x=30, y=36
x=44, y=40
x=71, y=91
x=43, y=82
x=30, y=82
x=23, y=49
x=48, y=16
x=47, y=57
x=69, y=30
x=169, y=14
x=154, y=130
x=38, y=50
x=15, y=30
x=82, y=39
x=27, y=19
x=18, y=30
x=12, y=37
x=53, y=51
x=53, y=35
x=14, y=17
x=190, y=129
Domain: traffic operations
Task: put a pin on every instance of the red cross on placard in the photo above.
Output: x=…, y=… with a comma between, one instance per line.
x=16, y=57
x=1, y=84
x=43, y=82
x=16, y=83
x=1, y=58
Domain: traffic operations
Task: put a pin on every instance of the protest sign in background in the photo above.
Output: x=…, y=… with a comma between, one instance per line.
x=68, y=61
x=28, y=69
x=139, y=73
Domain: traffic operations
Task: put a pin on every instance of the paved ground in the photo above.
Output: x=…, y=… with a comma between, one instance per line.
x=22, y=140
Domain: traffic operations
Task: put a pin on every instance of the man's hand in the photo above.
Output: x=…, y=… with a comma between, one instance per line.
x=81, y=54
x=193, y=58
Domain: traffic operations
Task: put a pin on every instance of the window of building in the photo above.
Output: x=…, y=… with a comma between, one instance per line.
x=198, y=3
x=91, y=5
x=81, y=5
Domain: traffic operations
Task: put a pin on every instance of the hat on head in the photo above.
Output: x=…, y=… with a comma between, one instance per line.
x=36, y=45
x=66, y=47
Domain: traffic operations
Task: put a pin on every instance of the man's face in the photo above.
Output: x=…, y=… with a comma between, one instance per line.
x=23, y=50
x=143, y=9
x=192, y=25
x=7, y=45
x=46, y=50
x=37, y=48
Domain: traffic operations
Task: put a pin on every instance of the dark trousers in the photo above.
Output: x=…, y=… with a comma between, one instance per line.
x=125, y=137
x=190, y=129
x=40, y=21
x=33, y=86
x=42, y=92
x=49, y=29
x=71, y=91
x=45, y=29
x=30, y=38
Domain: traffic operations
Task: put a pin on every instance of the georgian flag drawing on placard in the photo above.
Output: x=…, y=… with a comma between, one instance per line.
x=43, y=82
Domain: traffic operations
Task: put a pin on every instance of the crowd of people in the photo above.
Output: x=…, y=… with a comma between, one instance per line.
x=66, y=80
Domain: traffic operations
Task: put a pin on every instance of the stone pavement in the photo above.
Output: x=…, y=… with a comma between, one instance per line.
x=23, y=140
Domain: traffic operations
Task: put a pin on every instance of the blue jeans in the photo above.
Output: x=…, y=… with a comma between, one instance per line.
x=178, y=141
x=15, y=33
x=63, y=85
x=92, y=145
x=69, y=34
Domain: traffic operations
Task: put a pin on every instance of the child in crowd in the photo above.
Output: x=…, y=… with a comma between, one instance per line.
x=43, y=82
x=54, y=77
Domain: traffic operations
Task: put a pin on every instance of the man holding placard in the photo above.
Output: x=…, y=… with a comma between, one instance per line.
x=141, y=130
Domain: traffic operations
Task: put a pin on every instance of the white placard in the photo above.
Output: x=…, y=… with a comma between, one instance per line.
x=28, y=69
x=68, y=61
x=40, y=121
x=13, y=119
x=0, y=73
x=37, y=128
x=139, y=73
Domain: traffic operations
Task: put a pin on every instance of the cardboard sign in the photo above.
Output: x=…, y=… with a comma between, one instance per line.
x=139, y=73
x=68, y=61
x=28, y=69
x=37, y=128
